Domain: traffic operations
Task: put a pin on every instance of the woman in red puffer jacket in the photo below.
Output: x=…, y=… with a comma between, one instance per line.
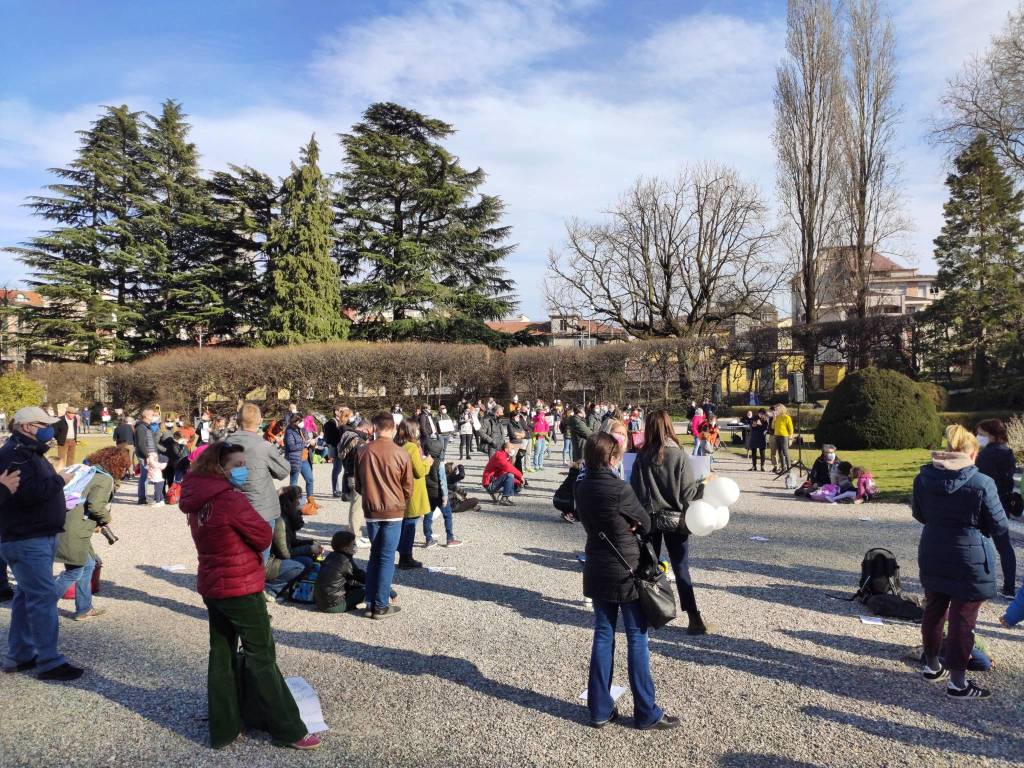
x=230, y=538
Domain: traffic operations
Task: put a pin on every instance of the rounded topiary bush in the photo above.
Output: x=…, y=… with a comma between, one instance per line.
x=875, y=408
x=936, y=393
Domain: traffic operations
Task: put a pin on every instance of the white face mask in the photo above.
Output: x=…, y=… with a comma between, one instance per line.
x=983, y=440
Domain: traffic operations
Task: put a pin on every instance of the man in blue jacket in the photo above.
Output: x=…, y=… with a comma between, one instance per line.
x=29, y=524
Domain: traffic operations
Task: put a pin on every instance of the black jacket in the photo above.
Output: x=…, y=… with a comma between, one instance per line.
x=338, y=574
x=996, y=460
x=37, y=508
x=145, y=440
x=332, y=432
x=605, y=504
x=123, y=433
x=434, y=448
x=821, y=472
x=759, y=433
x=62, y=431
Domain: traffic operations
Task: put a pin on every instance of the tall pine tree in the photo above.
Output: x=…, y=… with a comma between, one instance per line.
x=302, y=280
x=978, y=324
x=411, y=226
x=190, y=292
x=88, y=265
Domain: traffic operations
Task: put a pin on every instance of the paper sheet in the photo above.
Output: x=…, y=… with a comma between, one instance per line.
x=309, y=704
x=700, y=466
x=871, y=620
x=440, y=568
x=173, y=568
x=865, y=519
x=617, y=691
x=758, y=538
x=627, y=465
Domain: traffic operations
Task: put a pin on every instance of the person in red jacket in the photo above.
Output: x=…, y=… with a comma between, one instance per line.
x=501, y=476
x=230, y=538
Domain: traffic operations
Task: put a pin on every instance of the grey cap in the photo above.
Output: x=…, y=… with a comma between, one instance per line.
x=33, y=414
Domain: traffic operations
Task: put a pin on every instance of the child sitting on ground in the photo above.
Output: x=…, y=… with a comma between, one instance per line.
x=866, y=488
x=844, y=482
x=341, y=584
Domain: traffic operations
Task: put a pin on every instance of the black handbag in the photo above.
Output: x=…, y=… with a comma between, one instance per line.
x=657, y=600
x=564, y=499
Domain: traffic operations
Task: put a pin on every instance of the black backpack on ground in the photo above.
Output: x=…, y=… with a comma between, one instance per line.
x=879, y=575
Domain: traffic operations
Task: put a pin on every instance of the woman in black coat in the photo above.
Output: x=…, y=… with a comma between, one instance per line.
x=606, y=505
x=998, y=462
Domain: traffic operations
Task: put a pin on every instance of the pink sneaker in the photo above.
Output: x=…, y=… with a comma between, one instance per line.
x=309, y=741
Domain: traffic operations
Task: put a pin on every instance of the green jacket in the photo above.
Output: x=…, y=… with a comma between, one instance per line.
x=74, y=545
x=419, y=503
x=578, y=431
x=285, y=546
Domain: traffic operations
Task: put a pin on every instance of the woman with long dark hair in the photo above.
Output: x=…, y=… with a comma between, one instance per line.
x=664, y=482
x=612, y=517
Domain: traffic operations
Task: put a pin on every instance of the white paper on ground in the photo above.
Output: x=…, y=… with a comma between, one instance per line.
x=865, y=519
x=175, y=567
x=758, y=538
x=440, y=568
x=871, y=620
x=309, y=704
x=617, y=691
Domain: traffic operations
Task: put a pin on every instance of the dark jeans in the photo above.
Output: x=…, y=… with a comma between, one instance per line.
x=782, y=448
x=960, y=640
x=263, y=689
x=158, y=487
x=505, y=485
x=336, y=469
x=753, y=457
x=465, y=446
x=678, y=546
x=449, y=526
x=380, y=568
x=602, y=663
x=1008, y=561
x=408, y=536
x=4, y=583
x=34, y=627
x=291, y=570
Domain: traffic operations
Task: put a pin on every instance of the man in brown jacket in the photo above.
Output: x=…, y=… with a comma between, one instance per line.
x=384, y=480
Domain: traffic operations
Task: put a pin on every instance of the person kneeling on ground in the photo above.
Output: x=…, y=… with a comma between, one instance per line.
x=341, y=584
x=230, y=538
x=502, y=477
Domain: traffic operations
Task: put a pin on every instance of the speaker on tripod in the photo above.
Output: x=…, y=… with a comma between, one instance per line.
x=797, y=389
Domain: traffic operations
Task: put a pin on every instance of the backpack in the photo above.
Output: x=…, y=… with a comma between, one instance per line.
x=879, y=575
x=904, y=607
x=302, y=590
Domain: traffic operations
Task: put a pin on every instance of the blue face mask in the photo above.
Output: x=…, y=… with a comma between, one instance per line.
x=154, y=427
x=44, y=434
x=239, y=476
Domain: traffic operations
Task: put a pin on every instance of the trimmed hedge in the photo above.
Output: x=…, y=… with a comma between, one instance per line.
x=936, y=393
x=874, y=408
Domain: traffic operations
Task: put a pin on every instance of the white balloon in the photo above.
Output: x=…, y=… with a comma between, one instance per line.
x=723, y=518
x=701, y=518
x=721, y=492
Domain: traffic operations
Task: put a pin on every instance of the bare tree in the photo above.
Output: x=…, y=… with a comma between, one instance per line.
x=987, y=97
x=675, y=259
x=808, y=115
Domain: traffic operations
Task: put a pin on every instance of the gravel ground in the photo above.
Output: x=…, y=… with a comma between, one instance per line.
x=485, y=663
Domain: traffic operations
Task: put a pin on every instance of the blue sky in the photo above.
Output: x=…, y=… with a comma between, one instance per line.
x=562, y=102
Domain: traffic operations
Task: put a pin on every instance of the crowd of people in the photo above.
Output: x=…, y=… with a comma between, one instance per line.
x=246, y=486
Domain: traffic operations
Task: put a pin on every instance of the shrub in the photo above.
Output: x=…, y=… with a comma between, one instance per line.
x=937, y=394
x=1015, y=436
x=17, y=391
x=874, y=408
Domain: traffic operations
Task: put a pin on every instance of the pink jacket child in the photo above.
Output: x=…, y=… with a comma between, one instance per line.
x=540, y=425
x=696, y=421
x=866, y=488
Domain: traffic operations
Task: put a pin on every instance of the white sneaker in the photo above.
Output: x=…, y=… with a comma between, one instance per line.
x=588, y=602
x=159, y=504
x=363, y=543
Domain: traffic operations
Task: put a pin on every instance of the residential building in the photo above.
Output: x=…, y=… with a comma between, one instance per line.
x=892, y=289
x=562, y=330
x=12, y=352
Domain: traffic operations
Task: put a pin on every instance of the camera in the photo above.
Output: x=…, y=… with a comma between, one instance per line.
x=108, y=534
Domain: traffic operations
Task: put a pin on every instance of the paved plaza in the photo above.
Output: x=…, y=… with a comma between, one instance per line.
x=485, y=664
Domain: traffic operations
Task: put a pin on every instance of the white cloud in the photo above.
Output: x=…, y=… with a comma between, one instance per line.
x=443, y=43
x=30, y=137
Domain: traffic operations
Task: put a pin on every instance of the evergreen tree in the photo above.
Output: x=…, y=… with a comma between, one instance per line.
x=88, y=266
x=302, y=280
x=191, y=291
x=411, y=227
x=247, y=206
x=978, y=323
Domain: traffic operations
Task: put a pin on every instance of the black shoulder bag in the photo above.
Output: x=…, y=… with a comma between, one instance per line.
x=657, y=600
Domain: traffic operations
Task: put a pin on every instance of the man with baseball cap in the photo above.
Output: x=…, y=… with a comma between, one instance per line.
x=29, y=524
